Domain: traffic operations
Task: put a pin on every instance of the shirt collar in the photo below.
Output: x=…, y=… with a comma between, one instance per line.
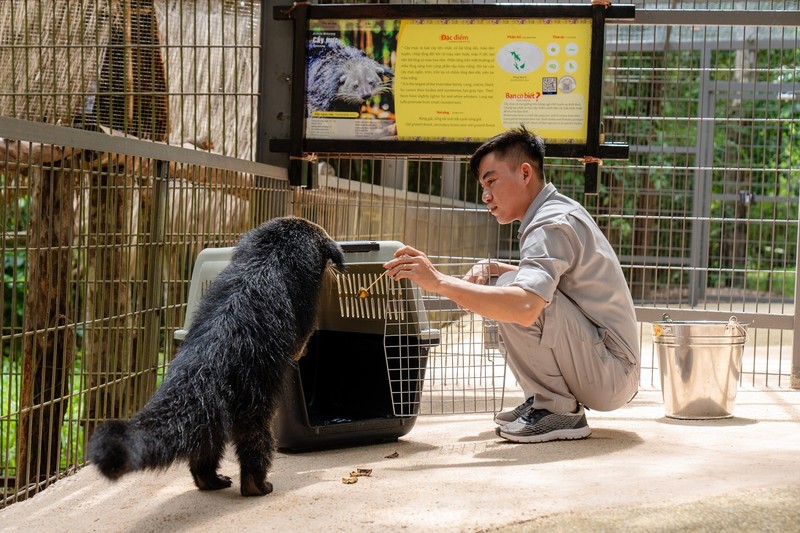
x=548, y=190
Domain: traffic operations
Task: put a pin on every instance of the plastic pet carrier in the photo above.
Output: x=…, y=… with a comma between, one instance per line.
x=360, y=380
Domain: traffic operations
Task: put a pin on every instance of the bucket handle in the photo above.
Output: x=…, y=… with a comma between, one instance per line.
x=733, y=323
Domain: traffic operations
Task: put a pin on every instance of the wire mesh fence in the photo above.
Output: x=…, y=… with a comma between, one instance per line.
x=710, y=111
x=127, y=141
x=99, y=237
x=95, y=280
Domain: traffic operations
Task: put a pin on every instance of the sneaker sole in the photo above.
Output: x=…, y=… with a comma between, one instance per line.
x=561, y=434
x=501, y=422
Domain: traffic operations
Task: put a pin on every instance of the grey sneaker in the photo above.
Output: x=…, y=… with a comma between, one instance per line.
x=540, y=425
x=506, y=417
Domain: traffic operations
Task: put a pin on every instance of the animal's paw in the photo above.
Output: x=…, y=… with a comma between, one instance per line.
x=255, y=487
x=212, y=482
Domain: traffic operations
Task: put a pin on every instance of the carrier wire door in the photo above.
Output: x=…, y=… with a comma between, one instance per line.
x=394, y=307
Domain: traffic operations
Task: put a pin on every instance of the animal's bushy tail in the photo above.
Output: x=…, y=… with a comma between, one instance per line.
x=116, y=449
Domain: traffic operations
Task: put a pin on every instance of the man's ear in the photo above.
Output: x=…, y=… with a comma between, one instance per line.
x=527, y=172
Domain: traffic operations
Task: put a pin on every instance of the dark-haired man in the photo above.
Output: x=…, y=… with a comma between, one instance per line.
x=567, y=321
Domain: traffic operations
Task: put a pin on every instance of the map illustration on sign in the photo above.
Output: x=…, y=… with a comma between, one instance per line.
x=520, y=57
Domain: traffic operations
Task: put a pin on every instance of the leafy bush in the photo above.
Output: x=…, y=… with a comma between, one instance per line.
x=9, y=396
x=779, y=282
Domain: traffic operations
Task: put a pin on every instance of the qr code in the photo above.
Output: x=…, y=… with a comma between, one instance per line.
x=549, y=85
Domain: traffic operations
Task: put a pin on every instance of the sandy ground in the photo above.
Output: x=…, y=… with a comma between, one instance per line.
x=638, y=471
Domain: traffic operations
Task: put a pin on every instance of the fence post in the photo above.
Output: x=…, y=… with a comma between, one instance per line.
x=147, y=359
x=794, y=382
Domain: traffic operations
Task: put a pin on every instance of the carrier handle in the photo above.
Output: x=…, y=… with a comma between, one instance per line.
x=349, y=247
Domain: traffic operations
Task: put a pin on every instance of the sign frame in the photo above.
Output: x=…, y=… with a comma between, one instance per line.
x=302, y=150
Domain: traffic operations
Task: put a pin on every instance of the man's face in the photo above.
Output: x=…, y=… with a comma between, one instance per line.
x=505, y=188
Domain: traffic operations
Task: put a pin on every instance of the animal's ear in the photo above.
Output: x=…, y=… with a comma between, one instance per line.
x=342, y=78
x=336, y=256
x=386, y=71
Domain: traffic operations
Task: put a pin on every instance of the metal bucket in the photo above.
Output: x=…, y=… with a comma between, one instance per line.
x=700, y=363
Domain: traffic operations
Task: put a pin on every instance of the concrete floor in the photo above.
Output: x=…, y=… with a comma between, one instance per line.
x=639, y=471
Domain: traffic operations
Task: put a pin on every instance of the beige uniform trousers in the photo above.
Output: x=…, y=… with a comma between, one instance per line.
x=562, y=361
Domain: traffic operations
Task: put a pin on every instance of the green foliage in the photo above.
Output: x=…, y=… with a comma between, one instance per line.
x=779, y=282
x=14, y=263
x=9, y=396
x=16, y=215
x=763, y=139
x=72, y=430
x=653, y=98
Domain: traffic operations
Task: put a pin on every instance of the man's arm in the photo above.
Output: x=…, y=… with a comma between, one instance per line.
x=504, y=304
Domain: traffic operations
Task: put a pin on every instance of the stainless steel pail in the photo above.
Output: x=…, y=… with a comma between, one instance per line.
x=700, y=363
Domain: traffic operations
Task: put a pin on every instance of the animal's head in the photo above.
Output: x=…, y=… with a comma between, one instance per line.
x=336, y=255
x=331, y=249
x=298, y=239
x=362, y=78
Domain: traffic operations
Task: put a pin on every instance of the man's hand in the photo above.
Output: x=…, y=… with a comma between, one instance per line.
x=505, y=304
x=486, y=270
x=481, y=273
x=410, y=263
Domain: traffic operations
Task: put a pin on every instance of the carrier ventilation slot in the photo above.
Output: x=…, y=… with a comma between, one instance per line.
x=383, y=301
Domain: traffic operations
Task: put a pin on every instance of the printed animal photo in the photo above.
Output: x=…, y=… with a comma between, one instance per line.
x=350, y=69
x=226, y=381
x=344, y=78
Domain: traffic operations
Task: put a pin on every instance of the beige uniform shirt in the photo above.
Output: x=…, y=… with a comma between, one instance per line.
x=561, y=248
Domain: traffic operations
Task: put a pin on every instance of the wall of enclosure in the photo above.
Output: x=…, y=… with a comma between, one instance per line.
x=130, y=135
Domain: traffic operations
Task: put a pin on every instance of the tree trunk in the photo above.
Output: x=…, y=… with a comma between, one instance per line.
x=49, y=346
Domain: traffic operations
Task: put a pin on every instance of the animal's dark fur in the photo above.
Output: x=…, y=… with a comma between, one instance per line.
x=342, y=75
x=225, y=383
